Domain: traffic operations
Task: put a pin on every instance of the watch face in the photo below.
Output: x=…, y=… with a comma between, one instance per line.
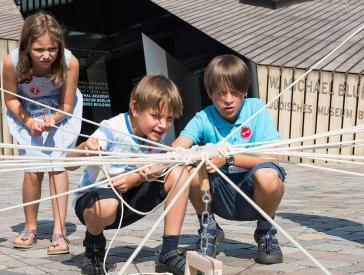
x=230, y=160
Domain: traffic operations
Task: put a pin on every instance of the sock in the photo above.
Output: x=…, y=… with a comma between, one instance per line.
x=263, y=225
x=211, y=222
x=95, y=238
x=170, y=242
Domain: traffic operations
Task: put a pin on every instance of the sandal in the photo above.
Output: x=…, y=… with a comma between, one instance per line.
x=26, y=241
x=55, y=248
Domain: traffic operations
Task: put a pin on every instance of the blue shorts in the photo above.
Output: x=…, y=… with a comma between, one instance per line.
x=143, y=198
x=228, y=203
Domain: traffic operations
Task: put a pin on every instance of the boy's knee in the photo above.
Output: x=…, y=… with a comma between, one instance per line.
x=178, y=174
x=268, y=179
x=102, y=209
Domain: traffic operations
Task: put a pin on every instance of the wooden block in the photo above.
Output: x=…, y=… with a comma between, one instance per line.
x=204, y=179
x=198, y=262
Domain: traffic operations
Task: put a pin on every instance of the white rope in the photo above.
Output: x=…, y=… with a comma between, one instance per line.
x=293, y=83
x=73, y=191
x=161, y=217
x=86, y=120
x=332, y=170
x=113, y=141
x=269, y=219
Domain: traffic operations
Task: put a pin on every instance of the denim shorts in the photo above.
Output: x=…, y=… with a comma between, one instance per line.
x=143, y=198
x=228, y=203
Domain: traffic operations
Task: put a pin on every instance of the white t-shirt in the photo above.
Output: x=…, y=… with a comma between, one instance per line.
x=94, y=173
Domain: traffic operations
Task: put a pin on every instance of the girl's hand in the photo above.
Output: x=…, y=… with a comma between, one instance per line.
x=34, y=126
x=48, y=123
x=91, y=144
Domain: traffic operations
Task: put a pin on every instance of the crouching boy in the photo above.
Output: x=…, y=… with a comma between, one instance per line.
x=226, y=80
x=154, y=103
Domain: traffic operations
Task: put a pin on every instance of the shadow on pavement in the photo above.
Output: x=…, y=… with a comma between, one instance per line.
x=45, y=228
x=121, y=253
x=345, y=229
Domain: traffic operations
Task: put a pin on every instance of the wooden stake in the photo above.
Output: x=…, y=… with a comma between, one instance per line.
x=198, y=262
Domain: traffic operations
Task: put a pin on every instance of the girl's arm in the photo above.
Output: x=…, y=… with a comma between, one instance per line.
x=12, y=102
x=68, y=91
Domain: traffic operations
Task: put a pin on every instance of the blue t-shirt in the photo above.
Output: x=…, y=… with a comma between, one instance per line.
x=207, y=126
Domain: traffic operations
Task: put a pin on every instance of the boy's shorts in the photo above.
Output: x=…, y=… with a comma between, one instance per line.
x=143, y=198
x=228, y=203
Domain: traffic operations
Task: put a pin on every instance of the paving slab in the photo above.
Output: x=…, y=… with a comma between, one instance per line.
x=323, y=211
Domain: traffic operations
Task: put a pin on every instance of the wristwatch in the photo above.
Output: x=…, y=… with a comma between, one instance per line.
x=230, y=159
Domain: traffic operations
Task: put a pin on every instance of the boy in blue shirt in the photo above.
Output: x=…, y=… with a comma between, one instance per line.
x=226, y=80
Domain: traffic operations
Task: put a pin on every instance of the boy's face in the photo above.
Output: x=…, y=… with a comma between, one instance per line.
x=227, y=103
x=153, y=123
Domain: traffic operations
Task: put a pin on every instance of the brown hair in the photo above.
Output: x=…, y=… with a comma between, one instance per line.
x=34, y=27
x=153, y=91
x=227, y=72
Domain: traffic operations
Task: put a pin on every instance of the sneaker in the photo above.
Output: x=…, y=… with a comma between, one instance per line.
x=214, y=240
x=93, y=259
x=269, y=251
x=174, y=260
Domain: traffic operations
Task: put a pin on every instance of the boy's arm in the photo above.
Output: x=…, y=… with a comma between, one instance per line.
x=182, y=142
x=90, y=144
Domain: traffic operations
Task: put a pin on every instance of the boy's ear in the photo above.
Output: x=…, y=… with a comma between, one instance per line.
x=208, y=93
x=133, y=109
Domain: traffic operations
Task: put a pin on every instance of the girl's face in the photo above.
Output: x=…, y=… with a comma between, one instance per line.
x=43, y=52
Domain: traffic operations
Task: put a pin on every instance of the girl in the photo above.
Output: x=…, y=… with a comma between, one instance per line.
x=44, y=71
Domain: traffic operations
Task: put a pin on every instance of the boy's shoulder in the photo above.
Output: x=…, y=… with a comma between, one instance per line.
x=117, y=122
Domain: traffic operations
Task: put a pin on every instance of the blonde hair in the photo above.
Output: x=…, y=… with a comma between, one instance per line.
x=227, y=72
x=34, y=27
x=153, y=92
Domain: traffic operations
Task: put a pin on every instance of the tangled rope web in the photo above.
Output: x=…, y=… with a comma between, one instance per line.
x=173, y=157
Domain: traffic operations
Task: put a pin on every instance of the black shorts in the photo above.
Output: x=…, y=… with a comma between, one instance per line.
x=143, y=198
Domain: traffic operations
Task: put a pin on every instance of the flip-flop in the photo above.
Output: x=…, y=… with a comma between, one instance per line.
x=27, y=242
x=57, y=248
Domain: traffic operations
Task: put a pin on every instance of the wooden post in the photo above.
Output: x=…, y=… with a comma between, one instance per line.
x=298, y=109
x=204, y=179
x=7, y=138
x=198, y=262
x=309, y=126
x=12, y=45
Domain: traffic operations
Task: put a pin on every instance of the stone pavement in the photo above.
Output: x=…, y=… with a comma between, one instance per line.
x=323, y=211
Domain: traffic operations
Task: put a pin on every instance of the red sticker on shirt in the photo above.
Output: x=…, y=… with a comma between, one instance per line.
x=35, y=90
x=246, y=132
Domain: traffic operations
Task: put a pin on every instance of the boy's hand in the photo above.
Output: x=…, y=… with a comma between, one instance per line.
x=124, y=184
x=91, y=144
x=219, y=161
x=152, y=172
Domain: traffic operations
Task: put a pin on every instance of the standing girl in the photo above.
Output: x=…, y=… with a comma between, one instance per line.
x=41, y=69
